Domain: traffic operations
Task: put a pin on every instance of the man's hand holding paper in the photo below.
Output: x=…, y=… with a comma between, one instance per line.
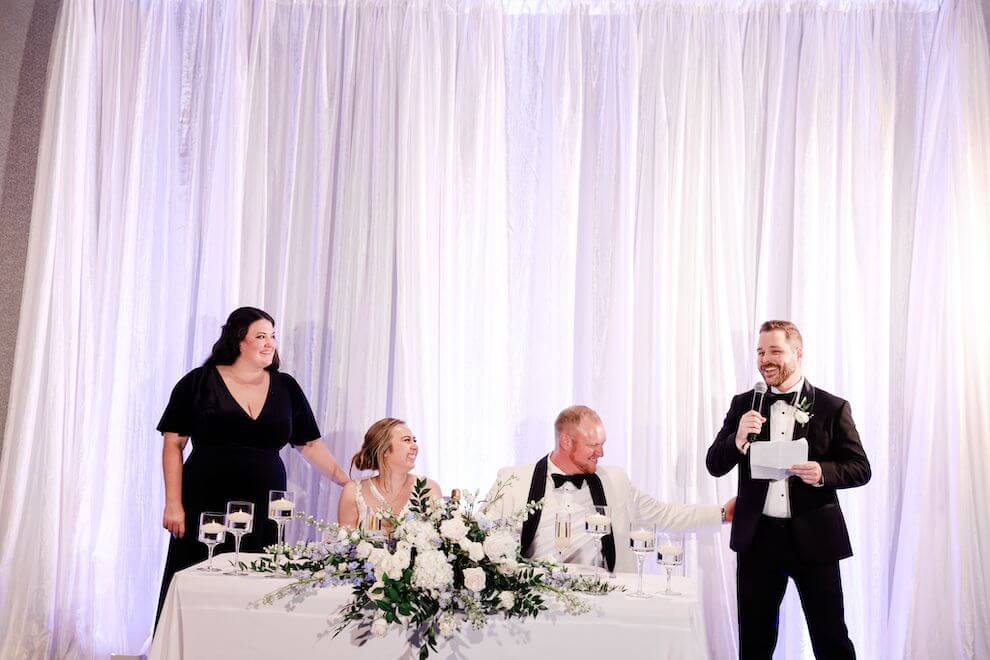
x=776, y=460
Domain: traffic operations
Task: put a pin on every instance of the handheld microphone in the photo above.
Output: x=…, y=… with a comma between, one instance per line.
x=759, y=389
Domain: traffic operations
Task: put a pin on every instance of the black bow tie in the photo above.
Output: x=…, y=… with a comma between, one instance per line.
x=773, y=398
x=561, y=479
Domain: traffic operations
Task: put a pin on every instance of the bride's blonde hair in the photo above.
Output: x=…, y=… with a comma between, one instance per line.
x=377, y=442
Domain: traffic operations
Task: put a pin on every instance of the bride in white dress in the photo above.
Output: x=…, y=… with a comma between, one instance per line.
x=390, y=449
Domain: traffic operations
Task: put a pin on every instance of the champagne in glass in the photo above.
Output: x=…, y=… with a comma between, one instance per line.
x=562, y=533
x=642, y=541
x=239, y=521
x=375, y=526
x=670, y=554
x=598, y=523
x=212, y=532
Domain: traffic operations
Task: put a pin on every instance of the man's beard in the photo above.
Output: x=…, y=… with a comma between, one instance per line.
x=784, y=371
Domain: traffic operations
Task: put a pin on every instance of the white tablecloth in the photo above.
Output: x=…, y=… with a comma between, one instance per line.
x=218, y=616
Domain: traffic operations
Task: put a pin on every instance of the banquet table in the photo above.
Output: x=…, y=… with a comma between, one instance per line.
x=213, y=615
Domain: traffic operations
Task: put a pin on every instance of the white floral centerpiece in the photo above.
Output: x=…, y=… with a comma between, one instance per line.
x=445, y=564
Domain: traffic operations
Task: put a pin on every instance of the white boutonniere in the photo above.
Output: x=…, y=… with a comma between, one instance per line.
x=803, y=415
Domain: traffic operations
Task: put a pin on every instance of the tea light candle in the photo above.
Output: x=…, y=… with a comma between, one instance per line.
x=213, y=528
x=239, y=517
x=281, y=505
x=597, y=523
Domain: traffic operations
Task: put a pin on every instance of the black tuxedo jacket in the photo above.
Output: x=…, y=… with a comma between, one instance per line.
x=819, y=529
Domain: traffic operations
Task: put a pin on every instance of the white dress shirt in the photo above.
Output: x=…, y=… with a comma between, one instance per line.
x=576, y=501
x=778, y=502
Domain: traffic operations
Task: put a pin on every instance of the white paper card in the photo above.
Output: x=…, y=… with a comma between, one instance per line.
x=772, y=460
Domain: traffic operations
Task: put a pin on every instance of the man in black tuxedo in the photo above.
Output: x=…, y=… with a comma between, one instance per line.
x=791, y=528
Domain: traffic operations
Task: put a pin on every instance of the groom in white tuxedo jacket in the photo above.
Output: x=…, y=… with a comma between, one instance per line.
x=570, y=479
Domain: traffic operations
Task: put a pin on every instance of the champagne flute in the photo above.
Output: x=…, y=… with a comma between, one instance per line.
x=670, y=553
x=642, y=541
x=281, y=503
x=598, y=523
x=374, y=526
x=239, y=521
x=212, y=532
x=562, y=531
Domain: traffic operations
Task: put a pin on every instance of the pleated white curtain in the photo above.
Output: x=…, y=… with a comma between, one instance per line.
x=472, y=213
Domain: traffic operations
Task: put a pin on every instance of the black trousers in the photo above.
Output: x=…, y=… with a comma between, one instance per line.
x=761, y=580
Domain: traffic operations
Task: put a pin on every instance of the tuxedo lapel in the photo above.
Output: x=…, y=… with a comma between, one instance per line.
x=537, y=489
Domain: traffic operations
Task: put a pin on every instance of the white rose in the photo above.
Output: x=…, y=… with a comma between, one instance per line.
x=474, y=579
x=379, y=628
x=342, y=534
x=393, y=568
x=500, y=545
x=363, y=550
x=476, y=551
x=447, y=625
x=355, y=536
x=453, y=529
x=508, y=567
x=801, y=417
x=507, y=600
x=342, y=567
x=401, y=559
x=377, y=556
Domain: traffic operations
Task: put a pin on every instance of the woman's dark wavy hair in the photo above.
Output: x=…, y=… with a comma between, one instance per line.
x=233, y=332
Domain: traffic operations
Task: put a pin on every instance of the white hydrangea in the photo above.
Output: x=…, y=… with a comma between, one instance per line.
x=500, y=546
x=432, y=571
x=474, y=579
x=418, y=533
x=453, y=529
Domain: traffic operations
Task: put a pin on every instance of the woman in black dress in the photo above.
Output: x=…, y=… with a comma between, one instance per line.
x=238, y=410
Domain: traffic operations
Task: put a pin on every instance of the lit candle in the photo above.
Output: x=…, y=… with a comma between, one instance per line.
x=642, y=535
x=281, y=505
x=213, y=528
x=669, y=549
x=597, y=522
x=239, y=517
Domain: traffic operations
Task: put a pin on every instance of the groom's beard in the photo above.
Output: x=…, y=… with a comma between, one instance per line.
x=783, y=372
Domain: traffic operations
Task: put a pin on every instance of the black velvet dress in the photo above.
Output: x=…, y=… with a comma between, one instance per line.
x=233, y=457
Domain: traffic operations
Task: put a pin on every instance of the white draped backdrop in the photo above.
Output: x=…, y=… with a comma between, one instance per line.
x=471, y=213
